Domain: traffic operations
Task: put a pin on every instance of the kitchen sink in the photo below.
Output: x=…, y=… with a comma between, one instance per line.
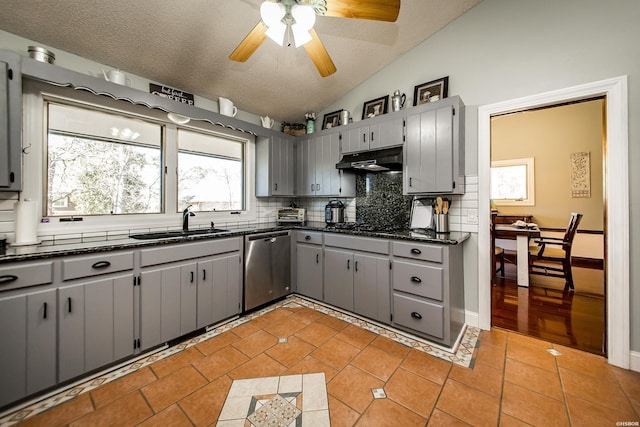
x=179, y=233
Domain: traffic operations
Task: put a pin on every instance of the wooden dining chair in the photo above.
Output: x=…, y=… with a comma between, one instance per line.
x=496, y=251
x=554, y=250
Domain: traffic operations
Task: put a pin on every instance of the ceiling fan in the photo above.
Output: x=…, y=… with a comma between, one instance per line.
x=295, y=19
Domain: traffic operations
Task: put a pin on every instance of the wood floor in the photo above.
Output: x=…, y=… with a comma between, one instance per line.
x=546, y=311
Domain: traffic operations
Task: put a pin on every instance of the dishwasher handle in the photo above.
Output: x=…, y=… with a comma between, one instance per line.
x=268, y=236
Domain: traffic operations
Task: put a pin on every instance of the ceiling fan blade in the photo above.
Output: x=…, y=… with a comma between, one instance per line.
x=251, y=42
x=377, y=10
x=319, y=55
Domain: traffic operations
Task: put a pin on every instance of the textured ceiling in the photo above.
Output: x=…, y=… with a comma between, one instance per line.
x=186, y=43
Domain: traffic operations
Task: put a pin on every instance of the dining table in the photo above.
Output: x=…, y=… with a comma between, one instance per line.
x=522, y=236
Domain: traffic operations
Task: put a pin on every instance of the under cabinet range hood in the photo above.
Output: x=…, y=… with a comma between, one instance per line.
x=388, y=159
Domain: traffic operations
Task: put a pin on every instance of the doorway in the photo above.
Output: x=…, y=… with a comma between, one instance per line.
x=563, y=148
x=616, y=192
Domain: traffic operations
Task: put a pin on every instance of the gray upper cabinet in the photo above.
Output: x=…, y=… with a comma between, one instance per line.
x=275, y=172
x=10, y=122
x=372, y=134
x=316, y=173
x=434, y=150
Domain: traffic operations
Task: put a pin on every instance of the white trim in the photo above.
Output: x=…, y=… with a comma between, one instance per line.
x=616, y=193
x=634, y=361
x=471, y=318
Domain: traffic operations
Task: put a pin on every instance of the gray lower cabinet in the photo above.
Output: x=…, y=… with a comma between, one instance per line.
x=95, y=325
x=338, y=278
x=428, y=290
x=357, y=282
x=371, y=292
x=309, y=262
x=161, y=304
x=28, y=333
x=219, y=290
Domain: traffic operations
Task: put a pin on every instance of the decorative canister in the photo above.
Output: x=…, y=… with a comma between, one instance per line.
x=311, y=126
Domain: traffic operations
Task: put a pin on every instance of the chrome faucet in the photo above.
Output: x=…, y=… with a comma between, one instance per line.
x=186, y=213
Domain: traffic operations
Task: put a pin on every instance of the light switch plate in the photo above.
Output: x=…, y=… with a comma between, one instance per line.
x=472, y=216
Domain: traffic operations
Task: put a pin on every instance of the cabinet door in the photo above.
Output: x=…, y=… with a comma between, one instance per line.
x=13, y=335
x=10, y=122
x=188, y=298
x=41, y=340
x=219, y=289
x=309, y=271
x=356, y=139
x=159, y=306
x=429, y=152
x=338, y=278
x=371, y=291
x=123, y=323
x=282, y=167
x=386, y=134
x=305, y=168
x=227, y=287
x=327, y=175
x=71, y=334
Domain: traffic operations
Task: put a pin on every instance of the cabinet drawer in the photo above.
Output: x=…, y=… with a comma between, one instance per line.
x=434, y=253
x=22, y=275
x=419, y=279
x=171, y=253
x=366, y=244
x=95, y=265
x=419, y=315
x=312, y=237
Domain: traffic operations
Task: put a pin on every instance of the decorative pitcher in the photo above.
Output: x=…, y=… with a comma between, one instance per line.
x=267, y=122
x=397, y=100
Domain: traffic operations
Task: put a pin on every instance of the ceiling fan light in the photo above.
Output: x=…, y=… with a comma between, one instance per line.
x=272, y=13
x=304, y=16
x=276, y=33
x=300, y=35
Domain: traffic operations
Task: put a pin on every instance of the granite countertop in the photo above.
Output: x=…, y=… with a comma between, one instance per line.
x=86, y=245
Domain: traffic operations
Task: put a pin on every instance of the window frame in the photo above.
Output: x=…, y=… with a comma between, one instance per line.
x=529, y=163
x=35, y=96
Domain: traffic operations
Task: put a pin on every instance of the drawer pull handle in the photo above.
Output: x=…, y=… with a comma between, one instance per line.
x=7, y=278
x=415, y=279
x=416, y=251
x=307, y=237
x=191, y=276
x=69, y=302
x=204, y=274
x=101, y=264
x=45, y=310
x=348, y=264
x=416, y=315
x=356, y=265
x=317, y=258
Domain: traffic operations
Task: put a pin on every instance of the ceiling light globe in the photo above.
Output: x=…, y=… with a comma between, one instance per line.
x=276, y=33
x=300, y=35
x=304, y=16
x=272, y=13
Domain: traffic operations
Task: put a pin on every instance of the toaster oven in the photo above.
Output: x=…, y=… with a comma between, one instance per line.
x=291, y=215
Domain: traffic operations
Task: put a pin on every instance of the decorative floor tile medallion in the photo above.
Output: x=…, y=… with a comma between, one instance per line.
x=285, y=401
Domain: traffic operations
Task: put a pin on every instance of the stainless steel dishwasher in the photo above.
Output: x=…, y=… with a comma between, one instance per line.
x=267, y=268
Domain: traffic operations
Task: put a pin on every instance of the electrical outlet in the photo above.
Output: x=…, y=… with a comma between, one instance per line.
x=472, y=216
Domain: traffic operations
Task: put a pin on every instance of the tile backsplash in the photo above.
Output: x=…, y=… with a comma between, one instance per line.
x=379, y=200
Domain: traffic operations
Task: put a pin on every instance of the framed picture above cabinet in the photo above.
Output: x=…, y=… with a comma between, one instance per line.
x=432, y=91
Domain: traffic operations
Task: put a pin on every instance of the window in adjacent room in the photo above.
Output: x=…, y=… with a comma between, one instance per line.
x=100, y=163
x=512, y=182
x=210, y=172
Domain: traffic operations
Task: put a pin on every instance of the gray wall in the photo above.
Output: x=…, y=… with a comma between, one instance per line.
x=506, y=49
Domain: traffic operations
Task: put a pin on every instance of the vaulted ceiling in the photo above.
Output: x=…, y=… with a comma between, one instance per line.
x=186, y=44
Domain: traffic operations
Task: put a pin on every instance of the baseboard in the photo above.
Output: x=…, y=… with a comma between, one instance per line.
x=471, y=318
x=634, y=361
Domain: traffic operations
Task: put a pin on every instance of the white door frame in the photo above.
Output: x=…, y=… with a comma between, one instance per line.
x=616, y=193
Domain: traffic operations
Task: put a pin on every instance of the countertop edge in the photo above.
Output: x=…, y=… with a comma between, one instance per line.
x=76, y=247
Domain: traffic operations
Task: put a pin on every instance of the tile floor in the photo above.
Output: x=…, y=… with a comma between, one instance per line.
x=512, y=380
